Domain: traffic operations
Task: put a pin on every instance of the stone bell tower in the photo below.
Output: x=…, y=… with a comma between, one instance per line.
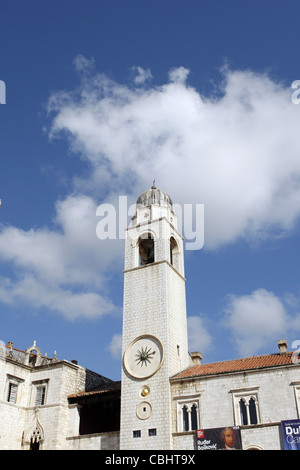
x=154, y=344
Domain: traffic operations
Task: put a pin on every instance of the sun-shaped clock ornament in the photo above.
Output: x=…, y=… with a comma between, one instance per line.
x=143, y=356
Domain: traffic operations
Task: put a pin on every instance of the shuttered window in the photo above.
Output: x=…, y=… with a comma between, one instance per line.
x=12, y=392
x=40, y=395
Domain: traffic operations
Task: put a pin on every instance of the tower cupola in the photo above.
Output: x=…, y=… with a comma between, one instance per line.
x=153, y=204
x=154, y=196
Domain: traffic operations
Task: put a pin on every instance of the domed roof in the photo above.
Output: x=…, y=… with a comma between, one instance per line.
x=154, y=196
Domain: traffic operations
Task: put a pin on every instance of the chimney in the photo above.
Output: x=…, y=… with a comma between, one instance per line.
x=196, y=358
x=282, y=344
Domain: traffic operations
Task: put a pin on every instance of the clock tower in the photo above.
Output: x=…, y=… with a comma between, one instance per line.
x=154, y=341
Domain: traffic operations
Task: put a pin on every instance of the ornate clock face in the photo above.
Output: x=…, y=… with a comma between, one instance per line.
x=143, y=356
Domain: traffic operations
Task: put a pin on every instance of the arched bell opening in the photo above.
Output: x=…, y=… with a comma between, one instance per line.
x=174, y=253
x=146, y=249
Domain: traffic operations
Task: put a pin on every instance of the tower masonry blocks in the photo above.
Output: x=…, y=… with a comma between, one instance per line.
x=154, y=316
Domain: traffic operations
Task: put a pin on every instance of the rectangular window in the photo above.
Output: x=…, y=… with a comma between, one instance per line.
x=152, y=432
x=39, y=392
x=40, y=395
x=136, y=433
x=12, y=392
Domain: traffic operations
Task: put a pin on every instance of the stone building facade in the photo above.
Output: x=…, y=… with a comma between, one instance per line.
x=255, y=394
x=35, y=411
x=167, y=397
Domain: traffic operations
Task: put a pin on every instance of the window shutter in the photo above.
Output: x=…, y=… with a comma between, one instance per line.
x=40, y=396
x=12, y=393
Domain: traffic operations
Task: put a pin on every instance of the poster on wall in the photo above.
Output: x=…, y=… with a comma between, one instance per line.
x=291, y=434
x=227, y=438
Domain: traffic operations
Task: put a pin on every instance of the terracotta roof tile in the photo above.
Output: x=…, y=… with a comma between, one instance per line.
x=236, y=365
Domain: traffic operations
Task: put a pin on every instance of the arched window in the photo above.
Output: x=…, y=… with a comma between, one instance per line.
x=146, y=249
x=173, y=247
x=194, y=419
x=252, y=411
x=36, y=437
x=33, y=357
x=34, y=444
x=248, y=410
x=174, y=254
x=185, y=418
x=189, y=413
x=243, y=411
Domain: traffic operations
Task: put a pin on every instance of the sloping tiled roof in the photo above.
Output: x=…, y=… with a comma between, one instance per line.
x=237, y=365
x=102, y=389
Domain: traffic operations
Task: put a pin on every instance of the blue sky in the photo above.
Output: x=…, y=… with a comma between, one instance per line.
x=101, y=98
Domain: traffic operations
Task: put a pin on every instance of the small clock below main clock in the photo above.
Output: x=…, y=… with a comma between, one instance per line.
x=143, y=356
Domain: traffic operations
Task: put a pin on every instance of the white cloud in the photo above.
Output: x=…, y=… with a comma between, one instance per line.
x=115, y=346
x=64, y=269
x=199, y=337
x=82, y=64
x=238, y=152
x=256, y=321
x=33, y=292
x=178, y=75
x=141, y=75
